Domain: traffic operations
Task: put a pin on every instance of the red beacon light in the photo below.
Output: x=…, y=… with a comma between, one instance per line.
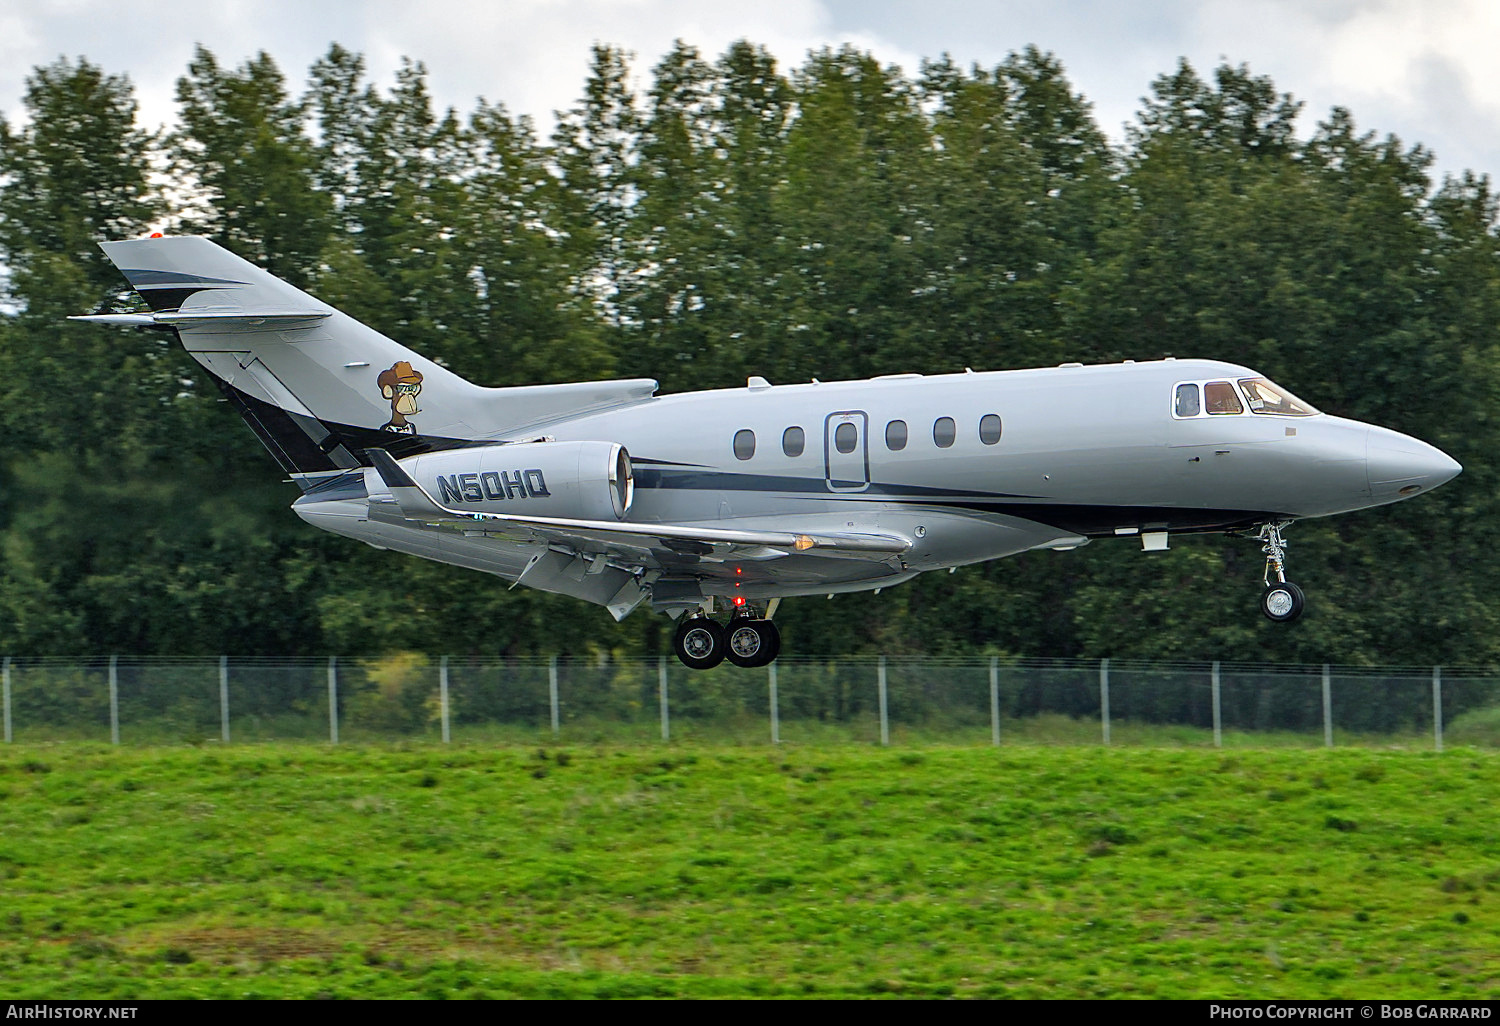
x=156, y=235
x=739, y=600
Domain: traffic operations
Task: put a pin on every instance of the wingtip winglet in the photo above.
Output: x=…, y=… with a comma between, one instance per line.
x=389, y=470
x=415, y=502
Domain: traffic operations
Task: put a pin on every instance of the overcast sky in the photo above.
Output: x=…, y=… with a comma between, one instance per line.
x=1426, y=71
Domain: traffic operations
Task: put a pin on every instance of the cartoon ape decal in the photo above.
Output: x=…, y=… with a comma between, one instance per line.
x=401, y=385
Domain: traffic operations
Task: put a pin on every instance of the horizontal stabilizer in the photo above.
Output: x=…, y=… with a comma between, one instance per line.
x=256, y=318
x=174, y=318
x=119, y=320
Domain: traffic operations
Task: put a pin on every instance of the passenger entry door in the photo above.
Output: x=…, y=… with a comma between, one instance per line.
x=846, y=452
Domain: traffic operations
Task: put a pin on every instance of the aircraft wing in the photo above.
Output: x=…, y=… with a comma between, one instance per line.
x=636, y=539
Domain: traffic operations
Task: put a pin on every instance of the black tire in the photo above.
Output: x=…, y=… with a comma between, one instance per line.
x=1282, y=602
x=773, y=642
x=699, y=643
x=750, y=643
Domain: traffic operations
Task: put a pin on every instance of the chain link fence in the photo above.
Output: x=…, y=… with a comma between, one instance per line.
x=808, y=701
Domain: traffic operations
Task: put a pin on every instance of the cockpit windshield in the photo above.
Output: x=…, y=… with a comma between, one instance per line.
x=1267, y=398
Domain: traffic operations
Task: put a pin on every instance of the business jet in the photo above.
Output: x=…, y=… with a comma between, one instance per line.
x=733, y=499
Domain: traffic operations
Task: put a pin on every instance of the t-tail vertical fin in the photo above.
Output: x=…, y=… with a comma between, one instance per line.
x=317, y=386
x=292, y=364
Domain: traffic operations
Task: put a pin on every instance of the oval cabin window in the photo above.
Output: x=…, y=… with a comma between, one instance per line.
x=845, y=438
x=793, y=441
x=989, y=428
x=895, y=435
x=744, y=444
x=943, y=432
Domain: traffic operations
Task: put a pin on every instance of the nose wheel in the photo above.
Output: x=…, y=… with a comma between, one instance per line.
x=1282, y=600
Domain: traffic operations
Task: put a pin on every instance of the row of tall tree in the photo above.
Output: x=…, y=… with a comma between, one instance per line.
x=836, y=220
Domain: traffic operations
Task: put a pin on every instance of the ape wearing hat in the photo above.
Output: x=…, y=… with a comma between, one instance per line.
x=401, y=385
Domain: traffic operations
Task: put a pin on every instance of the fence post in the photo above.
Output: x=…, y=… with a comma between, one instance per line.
x=114, y=701
x=6, y=677
x=1218, y=720
x=1327, y=708
x=333, y=699
x=1437, y=708
x=995, y=700
x=666, y=723
x=1104, y=697
x=885, y=727
x=775, y=706
x=224, y=698
x=552, y=693
x=443, y=696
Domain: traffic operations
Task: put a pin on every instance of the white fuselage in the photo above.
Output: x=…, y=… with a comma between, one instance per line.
x=969, y=467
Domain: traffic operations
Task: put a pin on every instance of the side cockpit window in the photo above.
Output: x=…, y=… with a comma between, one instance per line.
x=1187, y=401
x=1259, y=396
x=1220, y=397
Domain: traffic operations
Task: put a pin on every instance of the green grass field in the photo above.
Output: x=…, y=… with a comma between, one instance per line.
x=716, y=870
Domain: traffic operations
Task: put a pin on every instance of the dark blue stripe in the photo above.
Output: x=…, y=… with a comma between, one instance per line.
x=721, y=481
x=140, y=278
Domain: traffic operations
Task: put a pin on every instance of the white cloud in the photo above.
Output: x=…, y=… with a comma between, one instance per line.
x=1421, y=70
x=532, y=55
x=1381, y=50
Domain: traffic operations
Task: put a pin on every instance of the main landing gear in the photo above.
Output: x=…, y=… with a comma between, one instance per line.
x=1282, y=600
x=746, y=641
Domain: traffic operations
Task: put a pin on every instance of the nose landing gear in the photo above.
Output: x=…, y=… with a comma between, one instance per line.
x=1282, y=600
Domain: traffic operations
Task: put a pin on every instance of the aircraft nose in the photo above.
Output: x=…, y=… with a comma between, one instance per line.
x=1400, y=466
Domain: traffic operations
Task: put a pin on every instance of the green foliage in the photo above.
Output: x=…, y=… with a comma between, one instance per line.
x=76, y=173
x=242, y=141
x=398, y=694
x=1479, y=727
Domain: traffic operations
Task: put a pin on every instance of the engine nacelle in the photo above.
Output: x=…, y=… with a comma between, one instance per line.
x=572, y=480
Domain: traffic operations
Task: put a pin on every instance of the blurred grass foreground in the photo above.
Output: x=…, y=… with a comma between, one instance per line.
x=414, y=869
